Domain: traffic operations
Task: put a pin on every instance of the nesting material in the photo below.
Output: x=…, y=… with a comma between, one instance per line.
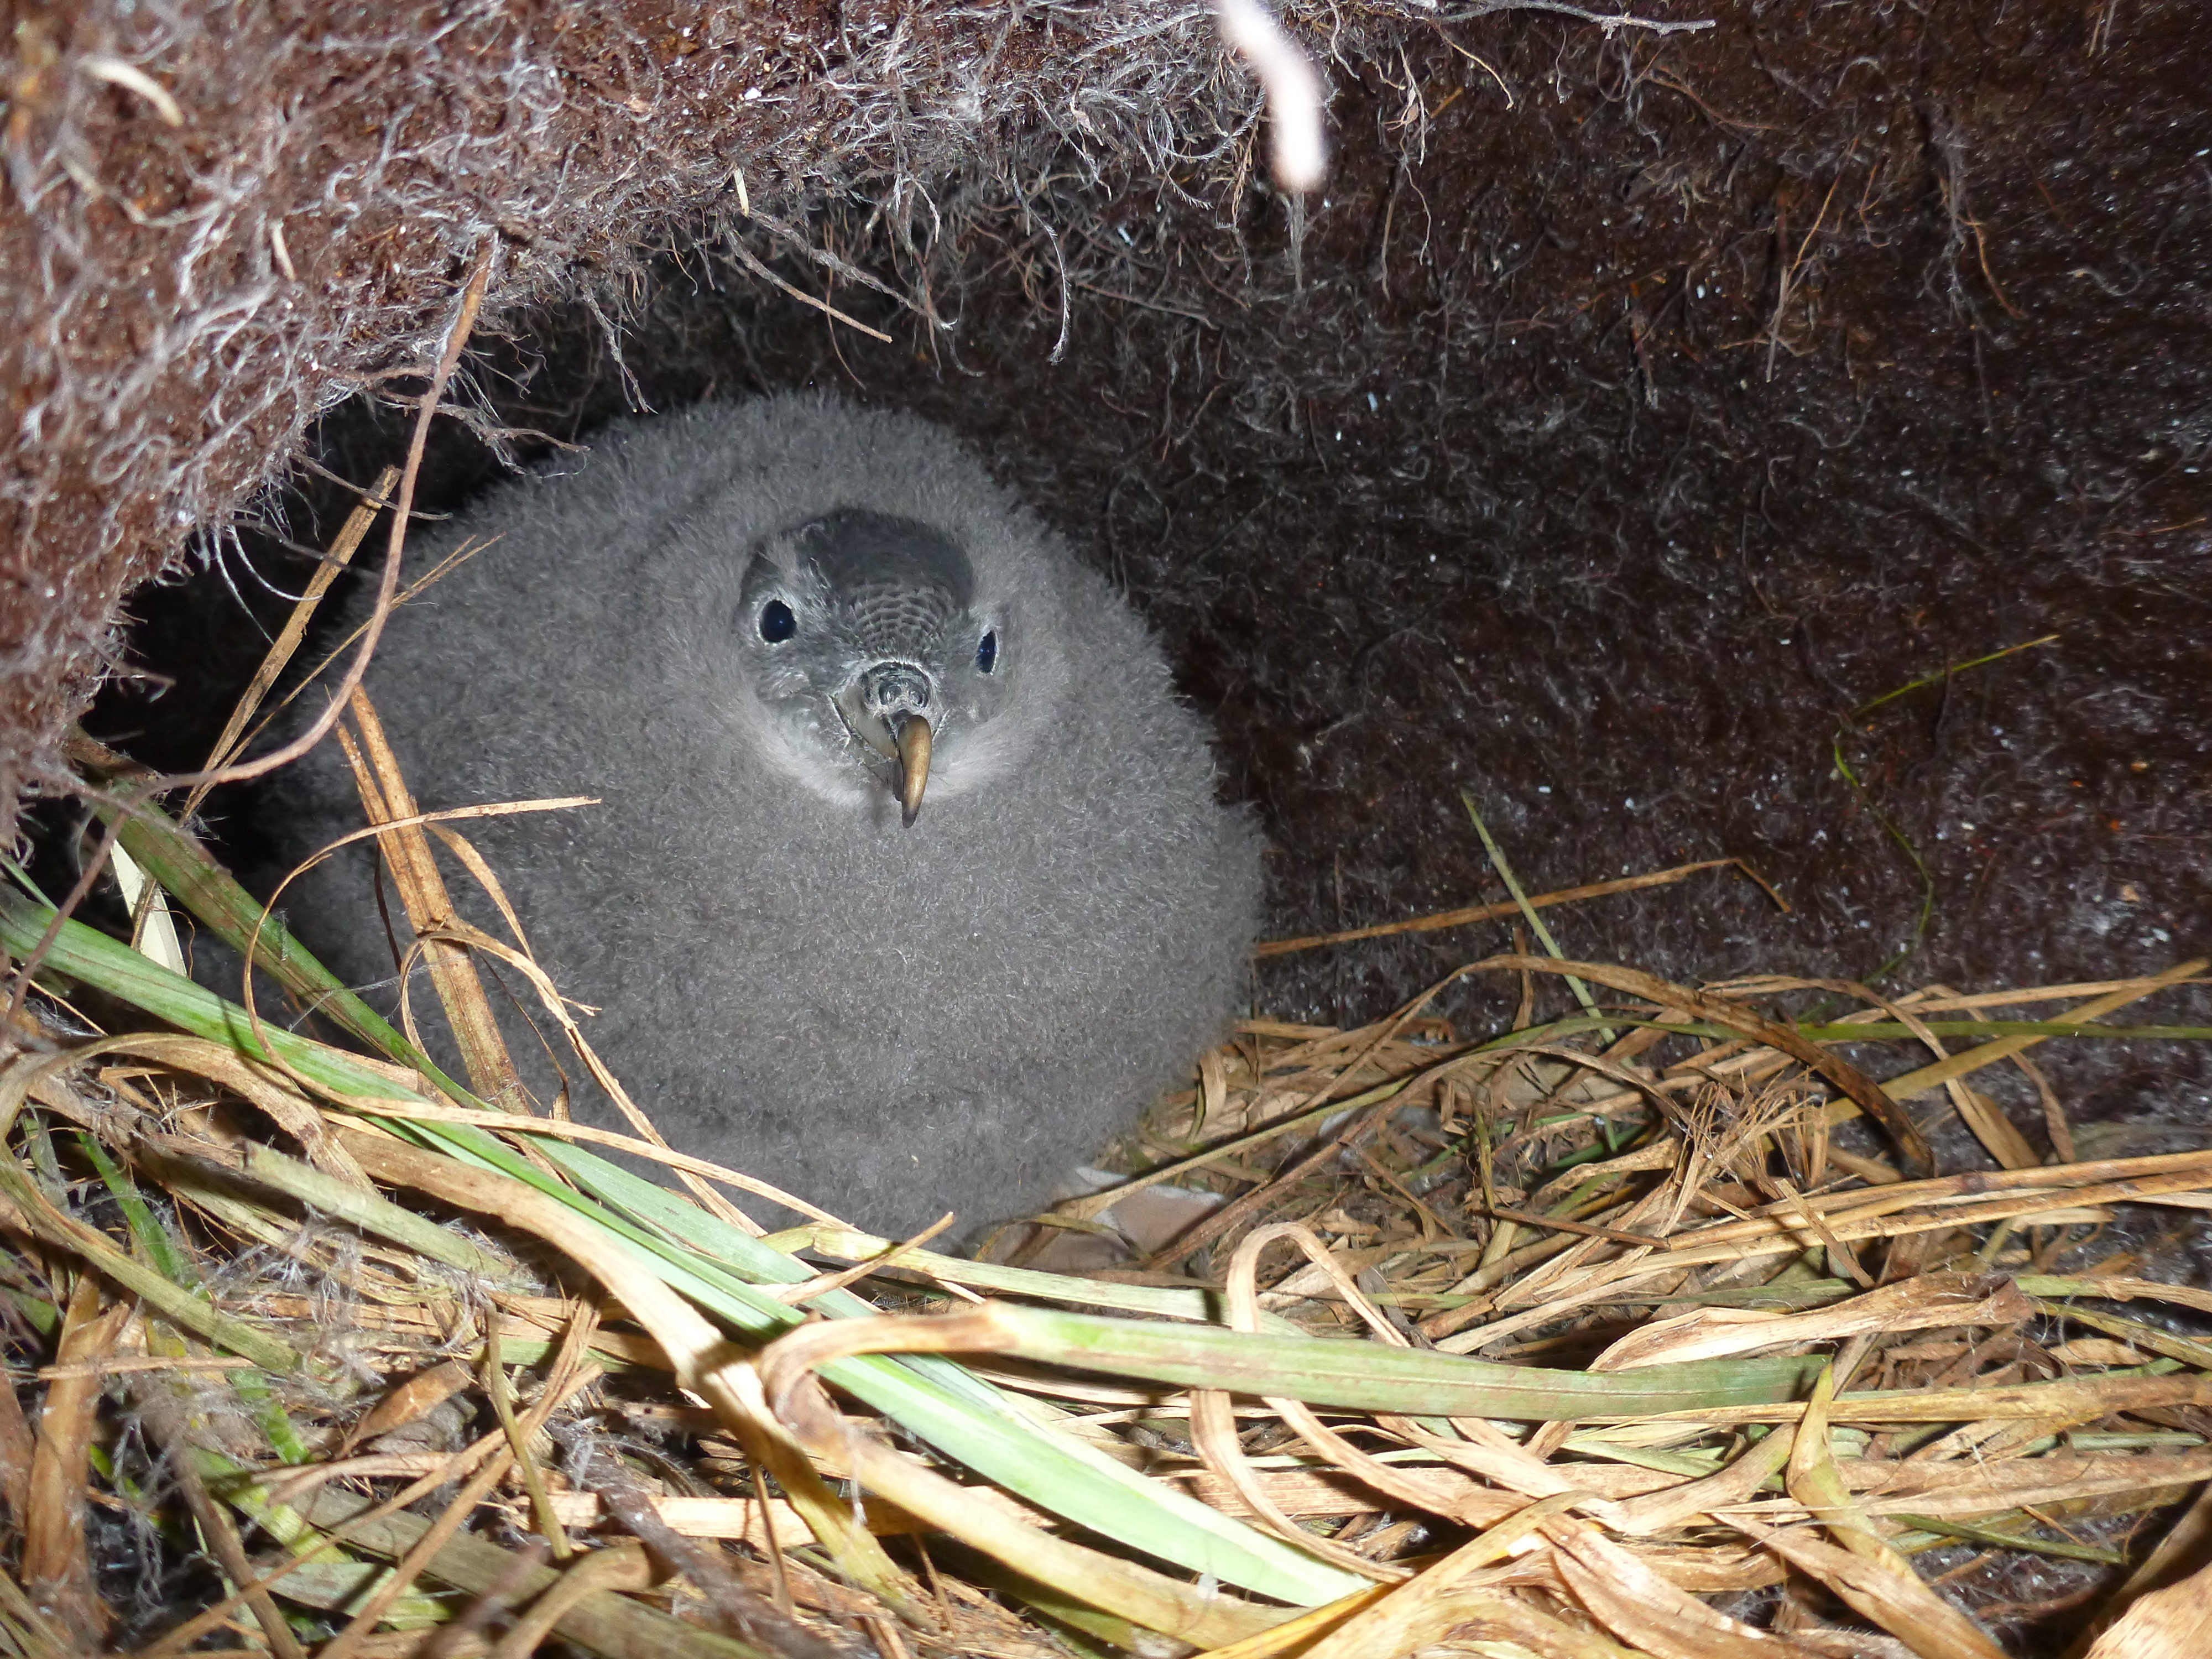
x=1731, y=1352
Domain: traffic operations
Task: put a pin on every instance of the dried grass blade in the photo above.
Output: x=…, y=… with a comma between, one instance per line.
x=343, y=547
x=1408, y=1618
x=2169, y=1623
x=1921, y=1303
x=602, y=1622
x=213, y=895
x=1496, y=1620
x=1870, y=1096
x=613, y=1567
x=411, y=1399
x=1960, y=1064
x=2080, y=1399
x=1136, y=1593
x=1661, y=1511
x=2186, y=1543
x=2055, y=1121
x=1813, y=1480
x=57, y=1566
x=944, y=1405
x=1960, y=1488
x=1293, y=1636
x=1997, y=1133
x=1650, y=1612
x=218, y=1062
x=18, y=1447
x=2138, y=1332
x=1912, y=1613
x=430, y=907
x=41, y=1218
x=2049, y=1183
x=698, y=1350
x=1474, y=912
x=1214, y=1432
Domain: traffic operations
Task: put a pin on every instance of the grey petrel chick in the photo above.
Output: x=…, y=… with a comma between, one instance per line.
x=910, y=886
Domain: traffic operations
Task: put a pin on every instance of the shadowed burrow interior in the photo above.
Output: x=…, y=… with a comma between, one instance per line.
x=1626, y=421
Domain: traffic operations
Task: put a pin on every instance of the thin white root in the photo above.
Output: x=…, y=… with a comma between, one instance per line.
x=1293, y=89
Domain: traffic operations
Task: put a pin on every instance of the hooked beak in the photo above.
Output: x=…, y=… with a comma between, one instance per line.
x=885, y=707
x=913, y=765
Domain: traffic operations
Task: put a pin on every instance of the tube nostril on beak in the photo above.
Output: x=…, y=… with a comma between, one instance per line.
x=896, y=688
x=890, y=708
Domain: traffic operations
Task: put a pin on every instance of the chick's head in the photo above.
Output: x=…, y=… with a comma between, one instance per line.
x=878, y=660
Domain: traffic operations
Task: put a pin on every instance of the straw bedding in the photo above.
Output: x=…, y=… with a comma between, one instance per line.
x=1748, y=1367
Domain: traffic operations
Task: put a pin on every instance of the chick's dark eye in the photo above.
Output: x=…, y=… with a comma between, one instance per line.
x=987, y=653
x=777, y=624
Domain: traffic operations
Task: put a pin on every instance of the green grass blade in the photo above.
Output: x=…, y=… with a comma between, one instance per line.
x=1368, y=1377
x=138, y=1215
x=964, y=1419
x=176, y=859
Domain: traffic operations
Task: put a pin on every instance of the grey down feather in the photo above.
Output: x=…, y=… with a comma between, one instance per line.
x=889, y=1021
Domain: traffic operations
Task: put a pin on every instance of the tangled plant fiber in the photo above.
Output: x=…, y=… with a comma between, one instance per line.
x=222, y=219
